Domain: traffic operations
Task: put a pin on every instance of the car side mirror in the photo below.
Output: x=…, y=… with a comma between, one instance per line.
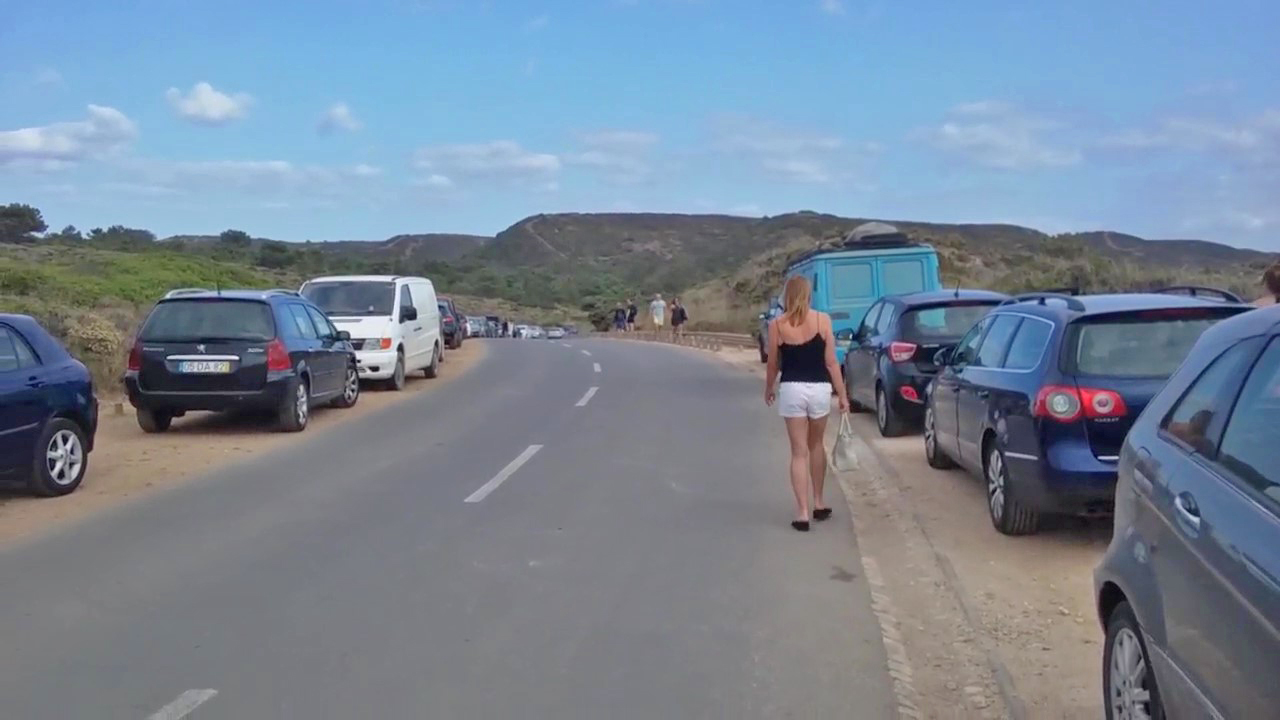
x=344, y=336
x=409, y=313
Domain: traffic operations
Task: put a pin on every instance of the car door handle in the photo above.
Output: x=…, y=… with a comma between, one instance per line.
x=418, y=329
x=1188, y=510
x=35, y=383
x=983, y=394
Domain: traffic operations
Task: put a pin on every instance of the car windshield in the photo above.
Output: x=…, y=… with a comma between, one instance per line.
x=209, y=321
x=946, y=323
x=352, y=297
x=1148, y=344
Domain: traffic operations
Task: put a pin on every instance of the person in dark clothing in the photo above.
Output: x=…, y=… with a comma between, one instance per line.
x=679, y=316
x=632, y=311
x=619, y=319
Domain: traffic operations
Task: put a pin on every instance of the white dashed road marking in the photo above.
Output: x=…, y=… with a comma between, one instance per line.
x=587, y=398
x=503, y=474
x=587, y=353
x=184, y=705
x=595, y=367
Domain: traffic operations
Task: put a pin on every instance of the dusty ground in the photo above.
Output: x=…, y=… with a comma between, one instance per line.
x=1030, y=599
x=127, y=463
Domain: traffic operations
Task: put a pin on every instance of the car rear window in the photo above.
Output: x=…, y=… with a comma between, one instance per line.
x=209, y=321
x=352, y=298
x=1147, y=344
x=943, y=323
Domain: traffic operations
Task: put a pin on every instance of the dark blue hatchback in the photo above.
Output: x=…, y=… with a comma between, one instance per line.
x=48, y=412
x=1037, y=397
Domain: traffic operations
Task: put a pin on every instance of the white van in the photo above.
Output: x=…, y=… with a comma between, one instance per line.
x=393, y=320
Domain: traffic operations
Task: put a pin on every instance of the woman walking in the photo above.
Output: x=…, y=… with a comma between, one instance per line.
x=803, y=346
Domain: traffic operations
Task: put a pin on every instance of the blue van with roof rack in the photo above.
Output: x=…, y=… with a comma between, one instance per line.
x=875, y=259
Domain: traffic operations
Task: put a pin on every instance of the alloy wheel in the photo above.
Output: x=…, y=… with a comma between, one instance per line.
x=1130, y=690
x=995, y=484
x=930, y=442
x=301, y=407
x=882, y=410
x=352, y=388
x=64, y=457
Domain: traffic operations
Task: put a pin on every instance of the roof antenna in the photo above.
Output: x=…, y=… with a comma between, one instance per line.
x=217, y=287
x=957, y=289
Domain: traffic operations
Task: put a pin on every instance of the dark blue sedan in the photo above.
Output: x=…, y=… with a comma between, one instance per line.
x=48, y=412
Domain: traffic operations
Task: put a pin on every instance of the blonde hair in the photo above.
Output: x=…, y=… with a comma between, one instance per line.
x=797, y=296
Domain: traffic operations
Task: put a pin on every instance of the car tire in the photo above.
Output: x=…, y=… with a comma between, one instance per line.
x=1008, y=515
x=295, y=407
x=61, y=459
x=396, y=382
x=1125, y=652
x=433, y=370
x=153, y=421
x=887, y=419
x=936, y=458
x=350, y=389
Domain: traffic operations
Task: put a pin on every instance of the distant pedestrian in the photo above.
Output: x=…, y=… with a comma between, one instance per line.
x=679, y=316
x=658, y=312
x=619, y=319
x=1271, y=284
x=506, y=328
x=803, y=347
x=632, y=311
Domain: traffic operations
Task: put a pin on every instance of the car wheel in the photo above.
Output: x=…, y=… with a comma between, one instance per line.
x=295, y=408
x=61, y=459
x=397, y=376
x=1008, y=515
x=1128, y=683
x=433, y=370
x=153, y=421
x=886, y=419
x=350, y=389
x=932, y=453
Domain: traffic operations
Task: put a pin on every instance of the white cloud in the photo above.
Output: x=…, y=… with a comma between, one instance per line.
x=537, y=23
x=61, y=144
x=436, y=181
x=791, y=155
x=1257, y=136
x=258, y=177
x=619, y=139
x=831, y=7
x=622, y=155
x=499, y=159
x=206, y=106
x=338, y=117
x=797, y=170
x=999, y=135
x=363, y=170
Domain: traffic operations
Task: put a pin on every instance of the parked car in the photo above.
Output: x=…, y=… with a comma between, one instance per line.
x=1188, y=591
x=239, y=350
x=48, y=411
x=520, y=331
x=453, y=323
x=475, y=326
x=1037, y=397
x=888, y=364
x=391, y=319
x=555, y=333
x=762, y=327
x=873, y=261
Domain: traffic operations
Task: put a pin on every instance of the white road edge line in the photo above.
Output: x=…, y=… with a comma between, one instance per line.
x=566, y=345
x=184, y=705
x=587, y=353
x=503, y=474
x=587, y=398
x=595, y=367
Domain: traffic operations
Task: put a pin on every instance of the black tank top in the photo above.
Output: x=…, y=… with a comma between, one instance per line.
x=806, y=362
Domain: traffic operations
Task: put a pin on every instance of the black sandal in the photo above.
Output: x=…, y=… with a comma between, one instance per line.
x=801, y=525
x=822, y=513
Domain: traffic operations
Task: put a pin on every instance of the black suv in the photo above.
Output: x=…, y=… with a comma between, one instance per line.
x=239, y=350
x=889, y=362
x=452, y=321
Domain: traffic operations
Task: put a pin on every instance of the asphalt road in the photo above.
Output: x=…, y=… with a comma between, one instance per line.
x=639, y=564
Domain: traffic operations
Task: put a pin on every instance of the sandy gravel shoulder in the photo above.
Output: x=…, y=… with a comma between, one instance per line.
x=127, y=464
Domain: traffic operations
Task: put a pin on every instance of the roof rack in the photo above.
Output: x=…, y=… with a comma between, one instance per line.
x=1196, y=291
x=185, y=291
x=283, y=291
x=1042, y=298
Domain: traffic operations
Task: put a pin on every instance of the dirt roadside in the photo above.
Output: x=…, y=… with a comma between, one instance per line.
x=1027, y=600
x=128, y=464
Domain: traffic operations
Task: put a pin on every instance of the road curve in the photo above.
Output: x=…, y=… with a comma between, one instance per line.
x=630, y=558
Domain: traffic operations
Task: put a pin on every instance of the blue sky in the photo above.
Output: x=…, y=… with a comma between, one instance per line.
x=332, y=119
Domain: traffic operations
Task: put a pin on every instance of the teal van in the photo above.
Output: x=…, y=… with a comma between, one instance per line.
x=874, y=260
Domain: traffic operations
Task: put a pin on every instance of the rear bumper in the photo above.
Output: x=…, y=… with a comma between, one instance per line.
x=270, y=396
x=914, y=382
x=376, y=364
x=1066, y=480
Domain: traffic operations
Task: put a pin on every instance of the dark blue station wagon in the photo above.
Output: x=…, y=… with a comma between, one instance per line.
x=1038, y=396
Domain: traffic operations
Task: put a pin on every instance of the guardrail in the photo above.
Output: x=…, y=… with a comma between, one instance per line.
x=703, y=340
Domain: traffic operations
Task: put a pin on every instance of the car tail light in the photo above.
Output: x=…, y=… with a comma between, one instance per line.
x=900, y=352
x=1065, y=403
x=448, y=320
x=278, y=357
x=135, y=357
x=378, y=344
x=909, y=393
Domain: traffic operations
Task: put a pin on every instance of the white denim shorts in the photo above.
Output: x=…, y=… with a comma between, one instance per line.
x=803, y=399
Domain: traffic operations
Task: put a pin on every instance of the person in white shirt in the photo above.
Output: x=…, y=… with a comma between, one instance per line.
x=658, y=310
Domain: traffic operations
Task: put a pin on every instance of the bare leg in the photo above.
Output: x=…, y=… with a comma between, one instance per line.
x=817, y=459
x=797, y=433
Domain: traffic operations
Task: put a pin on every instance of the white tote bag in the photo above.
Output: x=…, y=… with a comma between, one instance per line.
x=844, y=458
